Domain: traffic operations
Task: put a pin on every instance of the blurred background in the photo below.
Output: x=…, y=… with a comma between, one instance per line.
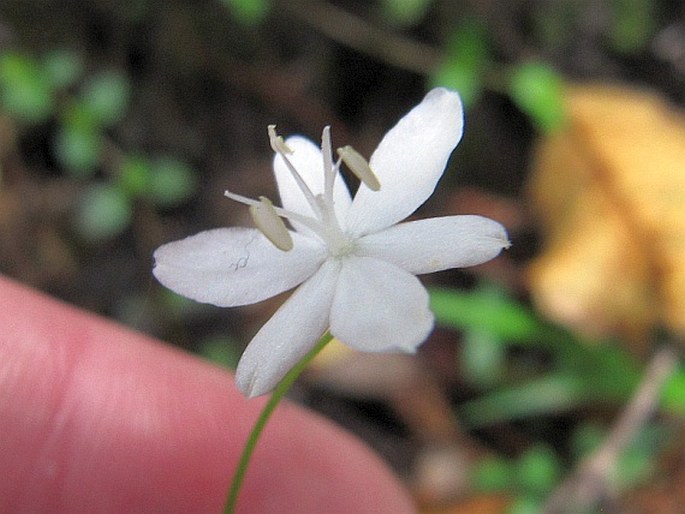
x=122, y=123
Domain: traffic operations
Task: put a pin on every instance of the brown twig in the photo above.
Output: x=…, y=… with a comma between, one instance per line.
x=591, y=480
x=355, y=32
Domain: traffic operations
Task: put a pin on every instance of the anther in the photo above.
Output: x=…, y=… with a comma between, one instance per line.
x=359, y=166
x=270, y=224
x=277, y=143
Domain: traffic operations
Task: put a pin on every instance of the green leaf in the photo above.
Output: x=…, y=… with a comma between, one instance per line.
x=466, y=58
x=62, y=68
x=586, y=438
x=135, y=175
x=585, y=375
x=550, y=394
x=525, y=505
x=78, y=149
x=104, y=212
x=483, y=358
x=538, y=470
x=405, y=13
x=248, y=12
x=105, y=95
x=171, y=182
x=672, y=397
x=25, y=90
x=493, y=474
x=633, y=24
x=485, y=310
x=538, y=91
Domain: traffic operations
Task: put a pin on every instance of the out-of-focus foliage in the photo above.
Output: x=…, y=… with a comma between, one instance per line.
x=25, y=90
x=541, y=369
x=633, y=24
x=248, y=12
x=610, y=191
x=62, y=68
x=538, y=90
x=469, y=67
x=100, y=103
x=465, y=61
x=104, y=211
x=86, y=107
x=405, y=12
x=578, y=373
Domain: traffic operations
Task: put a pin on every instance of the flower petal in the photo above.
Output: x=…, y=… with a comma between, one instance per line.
x=308, y=161
x=235, y=266
x=408, y=162
x=379, y=307
x=435, y=244
x=290, y=333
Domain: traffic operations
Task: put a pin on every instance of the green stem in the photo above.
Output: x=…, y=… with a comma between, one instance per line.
x=280, y=391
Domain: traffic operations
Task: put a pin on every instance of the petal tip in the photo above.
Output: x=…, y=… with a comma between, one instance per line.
x=247, y=381
x=256, y=375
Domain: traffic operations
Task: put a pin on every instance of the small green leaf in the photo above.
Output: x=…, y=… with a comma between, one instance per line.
x=106, y=96
x=25, y=90
x=672, y=397
x=538, y=470
x=405, y=13
x=538, y=91
x=104, y=213
x=487, y=310
x=464, y=63
x=248, y=12
x=171, y=182
x=525, y=505
x=135, y=175
x=62, y=68
x=586, y=438
x=493, y=474
x=78, y=149
x=548, y=394
x=483, y=358
x=633, y=24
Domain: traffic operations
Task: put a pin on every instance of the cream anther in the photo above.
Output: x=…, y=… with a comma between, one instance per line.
x=277, y=143
x=359, y=166
x=270, y=224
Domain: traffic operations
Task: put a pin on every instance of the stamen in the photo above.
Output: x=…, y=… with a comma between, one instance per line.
x=240, y=198
x=328, y=170
x=310, y=223
x=277, y=143
x=270, y=224
x=359, y=166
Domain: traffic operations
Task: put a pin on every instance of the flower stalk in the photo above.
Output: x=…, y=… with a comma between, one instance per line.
x=279, y=392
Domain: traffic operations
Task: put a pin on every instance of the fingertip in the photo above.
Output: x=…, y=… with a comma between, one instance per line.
x=101, y=418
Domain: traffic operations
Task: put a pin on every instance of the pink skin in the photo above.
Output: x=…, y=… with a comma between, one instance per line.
x=97, y=418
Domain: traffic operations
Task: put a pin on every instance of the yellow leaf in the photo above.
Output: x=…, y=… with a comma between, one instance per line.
x=610, y=193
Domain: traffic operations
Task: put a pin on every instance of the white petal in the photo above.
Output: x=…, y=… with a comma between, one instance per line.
x=290, y=333
x=308, y=161
x=379, y=307
x=436, y=244
x=409, y=161
x=235, y=266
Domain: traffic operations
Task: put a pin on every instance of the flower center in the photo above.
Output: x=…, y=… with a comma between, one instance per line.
x=269, y=218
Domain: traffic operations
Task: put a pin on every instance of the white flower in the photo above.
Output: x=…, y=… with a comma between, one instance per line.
x=353, y=263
